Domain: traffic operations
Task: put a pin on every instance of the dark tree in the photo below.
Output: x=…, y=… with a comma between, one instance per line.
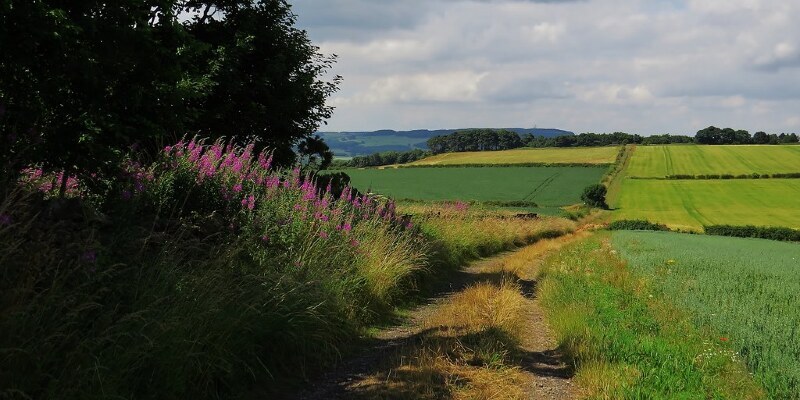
x=595, y=196
x=760, y=138
x=82, y=81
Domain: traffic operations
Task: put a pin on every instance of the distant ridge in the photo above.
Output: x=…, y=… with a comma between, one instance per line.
x=350, y=144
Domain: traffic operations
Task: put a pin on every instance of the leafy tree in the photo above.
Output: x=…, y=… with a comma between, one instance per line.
x=595, y=196
x=760, y=138
x=82, y=81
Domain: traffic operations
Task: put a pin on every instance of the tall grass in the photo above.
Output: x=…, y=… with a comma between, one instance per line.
x=206, y=274
x=462, y=232
x=203, y=275
x=628, y=342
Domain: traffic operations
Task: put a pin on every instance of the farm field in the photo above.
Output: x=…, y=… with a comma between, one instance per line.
x=690, y=204
x=584, y=155
x=660, y=161
x=746, y=290
x=547, y=186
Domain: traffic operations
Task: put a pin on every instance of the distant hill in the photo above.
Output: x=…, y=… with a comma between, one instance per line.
x=351, y=144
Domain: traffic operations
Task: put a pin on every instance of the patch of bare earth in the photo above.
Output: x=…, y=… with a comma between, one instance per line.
x=486, y=337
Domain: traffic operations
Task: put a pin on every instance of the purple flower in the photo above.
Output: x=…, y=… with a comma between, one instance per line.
x=90, y=256
x=323, y=234
x=265, y=238
x=354, y=243
x=5, y=219
x=251, y=202
x=237, y=187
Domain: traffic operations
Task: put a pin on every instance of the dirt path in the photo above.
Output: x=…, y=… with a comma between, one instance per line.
x=546, y=374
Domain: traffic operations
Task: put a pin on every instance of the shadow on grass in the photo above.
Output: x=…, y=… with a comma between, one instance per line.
x=429, y=364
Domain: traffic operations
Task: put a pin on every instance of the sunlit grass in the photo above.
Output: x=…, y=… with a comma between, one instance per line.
x=628, y=342
x=745, y=289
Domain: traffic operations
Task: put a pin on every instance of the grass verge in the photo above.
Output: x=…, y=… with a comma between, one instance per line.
x=628, y=343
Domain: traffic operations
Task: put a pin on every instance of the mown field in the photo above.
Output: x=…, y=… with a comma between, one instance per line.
x=583, y=155
x=660, y=161
x=547, y=186
x=746, y=290
x=690, y=204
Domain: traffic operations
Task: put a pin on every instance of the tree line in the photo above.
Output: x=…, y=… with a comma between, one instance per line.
x=714, y=135
x=475, y=140
x=382, y=158
x=492, y=139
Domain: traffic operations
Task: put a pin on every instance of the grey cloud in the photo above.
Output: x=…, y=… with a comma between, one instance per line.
x=634, y=65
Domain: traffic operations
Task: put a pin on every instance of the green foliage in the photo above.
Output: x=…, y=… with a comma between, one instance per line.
x=82, y=81
x=595, y=196
x=714, y=135
x=475, y=140
x=744, y=289
x=636, y=225
x=384, y=158
x=546, y=186
x=590, y=139
x=750, y=231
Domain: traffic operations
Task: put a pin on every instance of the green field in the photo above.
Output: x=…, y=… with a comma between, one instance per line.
x=747, y=290
x=582, y=155
x=547, y=186
x=689, y=204
x=660, y=161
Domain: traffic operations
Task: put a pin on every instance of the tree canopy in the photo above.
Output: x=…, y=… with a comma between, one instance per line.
x=82, y=81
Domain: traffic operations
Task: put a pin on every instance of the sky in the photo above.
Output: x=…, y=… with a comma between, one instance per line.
x=638, y=66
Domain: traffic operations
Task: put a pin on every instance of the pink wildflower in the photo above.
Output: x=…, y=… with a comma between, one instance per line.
x=237, y=187
x=323, y=234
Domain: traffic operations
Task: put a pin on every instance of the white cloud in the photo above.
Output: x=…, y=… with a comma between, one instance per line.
x=595, y=65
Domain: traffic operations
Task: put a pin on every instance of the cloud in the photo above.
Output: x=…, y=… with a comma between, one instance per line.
x=596, y=65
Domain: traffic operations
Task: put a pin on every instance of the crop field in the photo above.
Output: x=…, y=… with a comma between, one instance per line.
x=583, y=155
x=690, y=204
x=660, y=161
x=746, y=290
x=547, y=186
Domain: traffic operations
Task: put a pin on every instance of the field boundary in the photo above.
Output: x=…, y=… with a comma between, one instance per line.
x=616, y=173
x=491, y=165
x=680, y=177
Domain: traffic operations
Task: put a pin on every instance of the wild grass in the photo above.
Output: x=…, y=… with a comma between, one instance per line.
x=745, y=289
x=206, y=275
x=461, y=232
x=465, y=350
x=626, y=340
x=471, y=345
